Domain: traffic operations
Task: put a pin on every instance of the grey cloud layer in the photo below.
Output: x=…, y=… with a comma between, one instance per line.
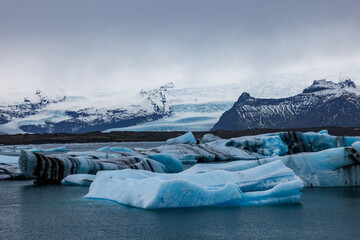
x=82, y=44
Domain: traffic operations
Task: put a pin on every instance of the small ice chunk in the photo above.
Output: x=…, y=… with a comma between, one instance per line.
x=115, y=149
x=78, y=180
x=323, y=132
x=172, y=164
x=121, y=149
x=209, y=138
x=9, y=168
x=104, y=149
x=58, y=149
x=230, y=166
x=9, y=159
x=356, y=146
x=186, y=138
x=263, y=145
x=22, y=147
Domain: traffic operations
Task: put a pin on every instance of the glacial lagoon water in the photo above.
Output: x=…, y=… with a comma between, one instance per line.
x=58, y=212
x=28, y=211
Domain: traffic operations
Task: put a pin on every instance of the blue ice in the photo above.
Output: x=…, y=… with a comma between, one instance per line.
x=271, y=183
x=186, y=138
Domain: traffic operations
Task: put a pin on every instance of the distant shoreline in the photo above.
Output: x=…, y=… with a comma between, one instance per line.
x=153, y=136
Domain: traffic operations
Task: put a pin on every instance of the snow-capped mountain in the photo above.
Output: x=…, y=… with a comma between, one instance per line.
x=198, y=108
x=29, y=106
x=324, y=103
x=168, y=108
x=42, y=114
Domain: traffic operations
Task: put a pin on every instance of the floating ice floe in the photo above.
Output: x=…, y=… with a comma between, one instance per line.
x=271, y=183
x=9, y=168
x=115, y=149
x=78, y=180
x=22, y=147
x=57, y=149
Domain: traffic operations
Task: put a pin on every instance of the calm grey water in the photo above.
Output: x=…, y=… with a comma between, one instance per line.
x=58, y=212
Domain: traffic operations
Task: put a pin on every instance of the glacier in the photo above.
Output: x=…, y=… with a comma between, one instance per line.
x=271, y=183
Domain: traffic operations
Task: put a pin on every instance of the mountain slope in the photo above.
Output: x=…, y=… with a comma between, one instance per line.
x=324, y=103
x=72, y=115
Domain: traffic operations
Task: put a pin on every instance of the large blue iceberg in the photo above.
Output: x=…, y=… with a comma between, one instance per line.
x=271, y=183
x=328, y=168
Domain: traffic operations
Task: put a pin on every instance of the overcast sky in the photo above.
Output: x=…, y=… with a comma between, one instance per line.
x=88, y=45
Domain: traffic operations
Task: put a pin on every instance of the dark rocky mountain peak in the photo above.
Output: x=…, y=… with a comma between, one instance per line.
x=324, y=103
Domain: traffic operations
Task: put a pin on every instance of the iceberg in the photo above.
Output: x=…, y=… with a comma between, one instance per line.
x=56, y=167
x=9, y=168
x=271, y=183
x=186, y=138
x=209, y=138
x=171, y=164
x=240, y=148
x=263, y=145
x=284, y=143
x=229, y=166
x=251, y=147
x=319, y=159
x=214, y=151
x=328, y=168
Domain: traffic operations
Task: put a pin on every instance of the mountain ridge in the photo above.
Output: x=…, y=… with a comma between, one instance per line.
x=35, y=117
x=324, y=103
